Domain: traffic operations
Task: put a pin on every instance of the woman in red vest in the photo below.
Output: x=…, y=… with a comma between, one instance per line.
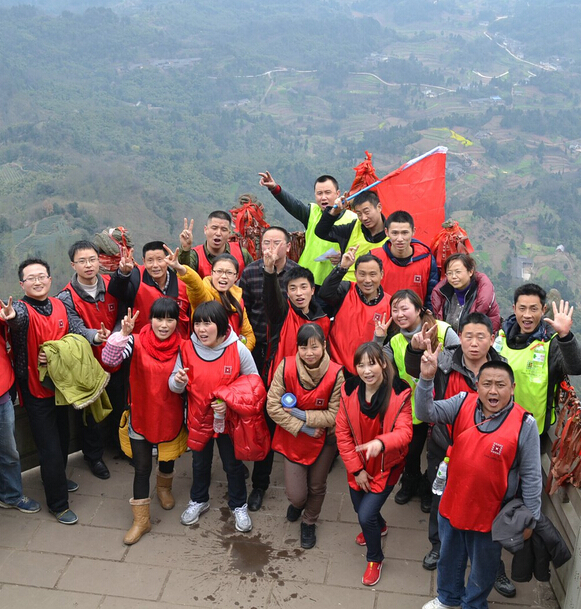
x=156, y=414
x=305, y=431
x=219, y=286
x=374, y=429
x=225, y=404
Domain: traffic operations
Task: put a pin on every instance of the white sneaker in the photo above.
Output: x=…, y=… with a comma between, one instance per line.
x=193, y=512
x=436, y=604
x=243, y=522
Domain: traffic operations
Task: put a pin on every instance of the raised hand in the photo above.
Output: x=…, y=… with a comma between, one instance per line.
x=181, y=376
x=423, y=338
x=126, y=264
x=172, y=260
x=429, y=364
x=339, y=205
x=187, y=236
x=7, y=310
x=348, y=257
x=270, y=258
x=103, y=334
x=128, y=322
x=267, y=180
x=562, y=321
x=381, y=325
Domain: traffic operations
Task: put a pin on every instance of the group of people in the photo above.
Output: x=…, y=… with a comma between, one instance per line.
x=359, y=348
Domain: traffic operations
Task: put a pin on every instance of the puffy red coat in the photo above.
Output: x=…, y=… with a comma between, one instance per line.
x=245, y=422
x=479, y=298
x=354, y=428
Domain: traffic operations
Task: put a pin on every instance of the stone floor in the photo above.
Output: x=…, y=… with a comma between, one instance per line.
x=46, y=565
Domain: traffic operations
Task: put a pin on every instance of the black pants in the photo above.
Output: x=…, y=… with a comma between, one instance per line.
x=50, y=429
x=92, y=443
x=414, y=456
x=142, y=460
x=118, y=391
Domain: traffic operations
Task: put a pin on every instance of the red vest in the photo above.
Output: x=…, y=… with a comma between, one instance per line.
x=205, y=266
x=354, y=324
x=234, y=318
x=40, y=329
x=156, y=412
x=478, y=469
x=304, y=449
x=456, y=384
x=287, y=340
x=95, y=313
x=6, y=370
x=414, y=276
x=148, y=294
x=204, y=378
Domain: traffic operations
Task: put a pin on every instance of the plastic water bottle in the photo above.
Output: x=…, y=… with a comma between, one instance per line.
x=440, y=481
x=219, y=420
x=288, y=400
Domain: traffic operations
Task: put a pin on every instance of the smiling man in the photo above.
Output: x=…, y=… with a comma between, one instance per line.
x=540, y=350
x=326, y=190
x=495, y=449
x=408, y=264
x=364, y=301
x=217, y=231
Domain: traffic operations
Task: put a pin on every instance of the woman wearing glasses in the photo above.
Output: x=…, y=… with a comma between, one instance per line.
x=464, y=291
x=219, y=286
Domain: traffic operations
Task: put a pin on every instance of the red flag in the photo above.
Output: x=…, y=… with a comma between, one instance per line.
x=418, y=187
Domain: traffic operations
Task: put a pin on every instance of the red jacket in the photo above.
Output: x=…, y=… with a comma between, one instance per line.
x=6, y=371
x=354, y=428
x=480, y=298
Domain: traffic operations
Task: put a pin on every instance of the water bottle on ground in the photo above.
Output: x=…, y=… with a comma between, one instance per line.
x=219, y=420
x=440, y=481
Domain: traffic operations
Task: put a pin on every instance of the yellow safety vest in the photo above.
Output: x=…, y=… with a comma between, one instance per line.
x=358, y=238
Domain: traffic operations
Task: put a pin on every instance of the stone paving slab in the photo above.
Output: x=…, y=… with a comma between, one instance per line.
x=43, y=563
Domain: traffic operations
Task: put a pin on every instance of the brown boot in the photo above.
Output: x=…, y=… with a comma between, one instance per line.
x=141, y=523
x=164, y=495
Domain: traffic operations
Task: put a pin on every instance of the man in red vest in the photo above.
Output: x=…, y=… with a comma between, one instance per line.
x=495, y=448
x=140, y=286
x=87, y=300
x=217, y=231
x=32, y=321
x=364, y=301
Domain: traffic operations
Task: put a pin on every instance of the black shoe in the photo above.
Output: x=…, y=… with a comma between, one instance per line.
x=293, y=513
x=255, y=499
x=99, y=469
x=425, y=493
x=430, y=562
x=72, y=486
x=246, y=471
x=504, y=586
x=308, y=537
x=409, y=487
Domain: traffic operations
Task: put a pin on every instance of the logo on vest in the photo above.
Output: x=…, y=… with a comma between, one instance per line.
x=61, y=323
x=319, y=402
x=111, y=306
x=377, y=317
x=417, y=279
x=227, y=369
x=496, y=448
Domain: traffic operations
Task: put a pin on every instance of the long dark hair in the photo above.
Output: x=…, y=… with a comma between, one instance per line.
x=376, y=355
x=227, y=298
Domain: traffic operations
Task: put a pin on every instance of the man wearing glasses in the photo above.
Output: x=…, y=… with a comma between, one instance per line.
x=33, y=320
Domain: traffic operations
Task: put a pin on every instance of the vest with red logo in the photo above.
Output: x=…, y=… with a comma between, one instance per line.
x=156, y=412
x=413, y=276
x=6, y=370
x=94, y=314
x=287, y=340
x=204, y=377
x=205, y=266
x=40, y=329
x=304, y=449
x=354, y=325
x=479, y=466
x=148, y=294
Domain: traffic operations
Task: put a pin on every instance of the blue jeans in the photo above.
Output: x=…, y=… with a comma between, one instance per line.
x=10, y=478
x=368, y=506
x=202, y=470
x=457, y=548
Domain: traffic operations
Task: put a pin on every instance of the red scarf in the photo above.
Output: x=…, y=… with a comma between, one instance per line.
x=161, y=350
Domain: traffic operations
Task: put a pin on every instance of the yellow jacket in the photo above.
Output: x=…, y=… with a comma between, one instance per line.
x=201, y=290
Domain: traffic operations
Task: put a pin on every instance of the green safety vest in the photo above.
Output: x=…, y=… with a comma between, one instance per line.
x=315, y=247
x=531, y=375
x=358, y=238
x=398, y=345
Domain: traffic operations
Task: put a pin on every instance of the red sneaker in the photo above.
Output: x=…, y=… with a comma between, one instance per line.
x=360, y=540
x=372, y=574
